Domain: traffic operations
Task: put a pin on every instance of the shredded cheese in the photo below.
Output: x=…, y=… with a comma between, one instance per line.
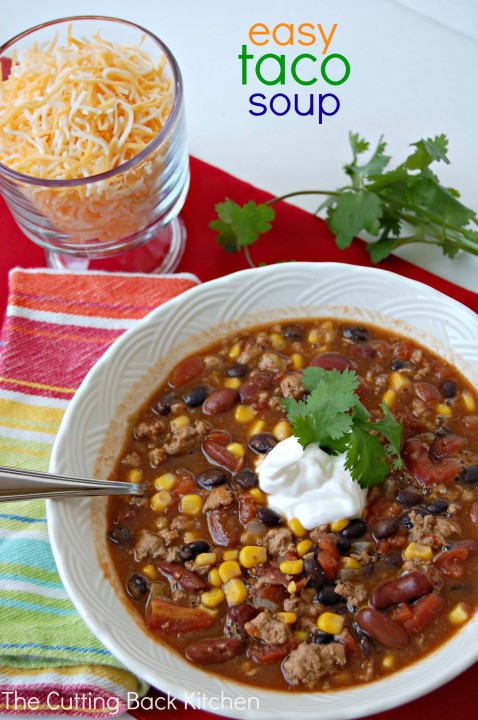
x=80, y=109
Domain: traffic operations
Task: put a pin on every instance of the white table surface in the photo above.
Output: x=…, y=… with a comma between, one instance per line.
x=413, y=74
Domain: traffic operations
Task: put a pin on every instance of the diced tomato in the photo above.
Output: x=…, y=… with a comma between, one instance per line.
x=274, y=575
x=274, y=593
x=247, y=508
x=184, y=485
x=423, y=611
x=329, y=564
x=404, y=350
x=402, y=613
x=362, y=351
x=328, y=544
x=267, y=654
x=424, y=469
x=443, y=372
x=164, y=617
x=383, y=547
x=474, y=513
x=451, y=563
x=186, y=370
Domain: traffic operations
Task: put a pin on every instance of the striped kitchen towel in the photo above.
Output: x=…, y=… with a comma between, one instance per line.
x=57, y=325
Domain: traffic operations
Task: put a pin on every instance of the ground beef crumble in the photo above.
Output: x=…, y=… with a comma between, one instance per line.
x=354, y=593
x=149, y=545
x=219, y=497
x=431, y=530
x=265, y=627
x=182, y=440
x=308, y=663
x=277, y=541
x=291, y=385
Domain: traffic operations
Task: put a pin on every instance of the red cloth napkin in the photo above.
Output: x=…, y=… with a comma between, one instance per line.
x=296, y=235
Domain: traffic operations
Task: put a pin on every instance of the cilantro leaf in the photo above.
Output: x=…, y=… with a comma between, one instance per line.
x=376, y=164
x=241, y=226
x=427, y=151
x=352, y=213
x=358, y=144
x=366, y=458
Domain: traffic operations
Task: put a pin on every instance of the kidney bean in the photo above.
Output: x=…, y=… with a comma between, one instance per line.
x=220, y=400
x=120, y=535
x=137, y=586
x=423, y=613
x=332, y=361
x=187, y=579
x=448, y=389
x=436, y=507
x=394, y=560
x=384, y=527
x=267, y=654
x=262, y=443
x=196, y=396
x=186, y=370
x=427, y=392
x=328, y=596
x=237, y=370
x=163, y=404
x=249, y=390
x=474, y=513
x=213, y=651
x=446, y=446
x=410, y=496
x=192, y=549
x=408, y=587
x=211, y=478
x=354, y=530
x=240, y=614
x=269, y=517
x=224, y=527
x=220, y=454
x=362, y=352
x=357, y=334
x=293, y=332
x=168, y=618
x=246, y=479
x=382, y=628
x=469, y=475
x=314, y=572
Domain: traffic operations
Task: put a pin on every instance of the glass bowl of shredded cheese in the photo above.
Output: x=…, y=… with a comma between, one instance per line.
x=93, y=153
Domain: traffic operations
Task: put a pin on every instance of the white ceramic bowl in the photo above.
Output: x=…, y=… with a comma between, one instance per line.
x=94, y=428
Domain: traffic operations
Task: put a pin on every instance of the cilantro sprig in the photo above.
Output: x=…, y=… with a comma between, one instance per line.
x=398, y=207
x=333, y=416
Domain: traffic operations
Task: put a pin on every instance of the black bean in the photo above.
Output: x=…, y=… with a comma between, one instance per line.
x=262, y=443
x=355, y=529
x=398, y=364
x=365, y=643
x=193, y=549
x=448, y=388
x=195, y=397
x=237, y=370
x=437, y=507
x=343, y=545
x=313, y=571
x=163, y=404
x=357, y=334
x=469, y=475
x=328, y=596
x=269, y=517
x=410, y=496
x=293, y=332
x=321, y=638
x=211, y=478
x=137, y=586
x=384, y=527
x=120, y=535
x=405, y=517
x=246, y=479
x=394, y=560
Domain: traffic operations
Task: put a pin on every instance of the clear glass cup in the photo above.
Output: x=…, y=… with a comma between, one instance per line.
x=126, y=218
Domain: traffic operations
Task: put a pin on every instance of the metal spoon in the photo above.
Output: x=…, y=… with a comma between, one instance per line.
x=28, y=484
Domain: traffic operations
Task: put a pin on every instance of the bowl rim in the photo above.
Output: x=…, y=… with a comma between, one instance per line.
x=381, y=701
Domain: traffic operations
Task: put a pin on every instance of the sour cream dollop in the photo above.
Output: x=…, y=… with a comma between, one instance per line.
x=310, y=485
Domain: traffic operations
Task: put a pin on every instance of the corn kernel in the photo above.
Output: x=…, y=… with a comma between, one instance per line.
x=292, y=587
x=287, y=618
x=301, y=635
x=297, y=361
x=398, y=381
x=235, y=591
x=161, y=522
x=235, y=351
x=213, y=598
x=421, y=552
x=388, y=662
x=230, y=554
x=191, y=535
x=469, y=401
x=259, y=496
x=297, y=528
x=459, y=614
x=191, y=504
x=214, y=577
x=443, y=409
x=237, y=450
x=251, y=555
x=213, y=612
x=135, y=475
x=281, y=430
x=389, y=398
x=277, y=341
x=232, y=382
x=244, y=413
x=257, y=428
x=229, y=569
x=331, y=623
x=313, y=336
x=292, y=567
x=303, y=547
x=165, y=482
x=150, y=572
x=327, y=325
x=339, y=525
x=350, y=563
x=160, y=500
x=180, y=422
x=203, y=559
